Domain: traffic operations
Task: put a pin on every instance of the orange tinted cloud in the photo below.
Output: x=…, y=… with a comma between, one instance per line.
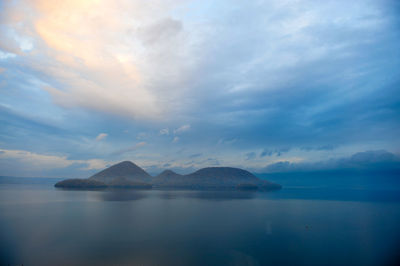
x=99, y=55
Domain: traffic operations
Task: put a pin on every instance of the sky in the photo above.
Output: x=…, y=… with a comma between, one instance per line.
x=270, y=85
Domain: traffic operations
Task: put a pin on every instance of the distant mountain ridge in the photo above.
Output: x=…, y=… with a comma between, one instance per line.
x=129, y=175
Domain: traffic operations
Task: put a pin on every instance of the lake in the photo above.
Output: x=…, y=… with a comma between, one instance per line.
x=41, y=225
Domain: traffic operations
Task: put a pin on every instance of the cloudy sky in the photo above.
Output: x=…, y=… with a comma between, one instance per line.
x=188, y=84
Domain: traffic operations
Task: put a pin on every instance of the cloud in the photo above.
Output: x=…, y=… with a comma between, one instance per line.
x=250, y=155
x=181, y=129
x=142, y=135
x=95, y=164
x=36, y=160
x=211, y=161
x=130, y=149
x=276, y=152
x=175, y=140
x=318, y=148
x=256, y=76
x=31, y=163
x=164, y=131
x=104, y=56
x=223, y=141
x=160, y=31
x=101, y=136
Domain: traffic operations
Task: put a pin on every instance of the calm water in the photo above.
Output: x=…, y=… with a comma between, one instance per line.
x=40, y=225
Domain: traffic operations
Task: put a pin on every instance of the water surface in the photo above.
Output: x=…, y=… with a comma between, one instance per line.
x=41, y=225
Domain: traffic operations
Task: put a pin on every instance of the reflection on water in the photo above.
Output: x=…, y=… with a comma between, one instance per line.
x=121, y=195
x=44, y=226
x=130, y=195
x=316, y=194
x=221, y=195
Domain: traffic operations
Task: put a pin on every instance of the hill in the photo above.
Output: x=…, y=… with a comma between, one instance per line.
x=213, y=178
x=127, y=170
x=122, y=182
x=166, y=178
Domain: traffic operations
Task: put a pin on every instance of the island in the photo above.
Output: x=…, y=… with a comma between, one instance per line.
x=128, y=175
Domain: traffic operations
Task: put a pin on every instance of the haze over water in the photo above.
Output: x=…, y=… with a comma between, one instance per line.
x=40, y=225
